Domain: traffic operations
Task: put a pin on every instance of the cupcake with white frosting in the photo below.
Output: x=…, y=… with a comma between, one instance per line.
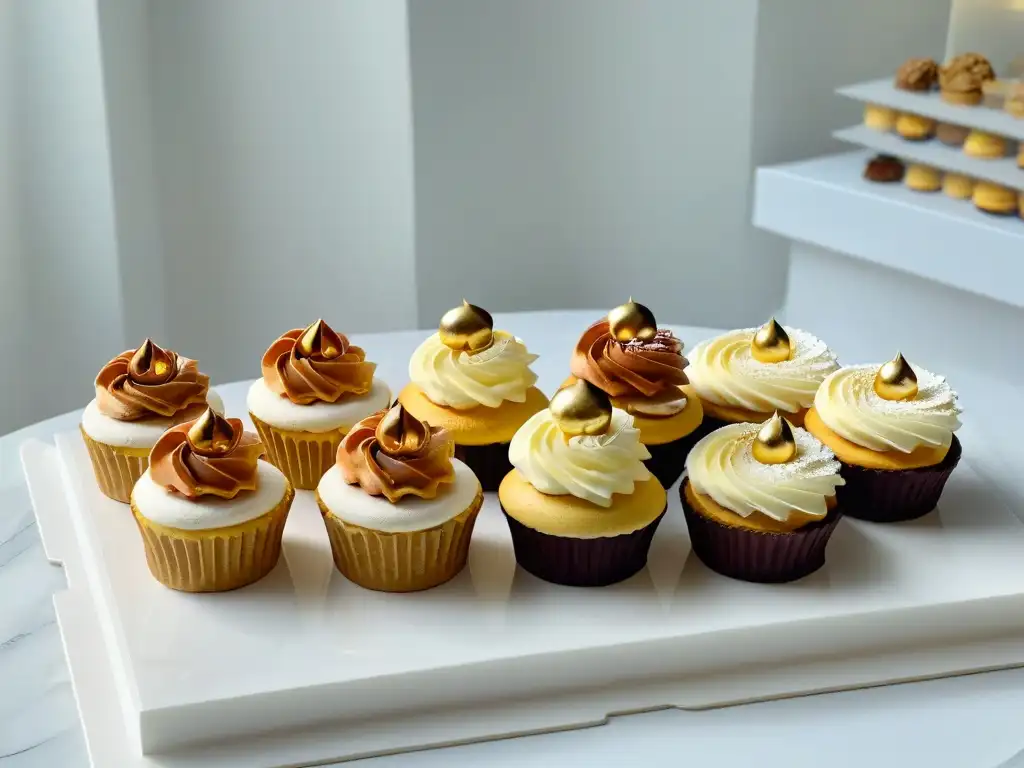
x=760, y=500
x=399, y=509
x=892, y=427
x=139, y=395
x=747, y=375
x=580, y=503
x=315, y=386
x=211, y=514
x=477, y=384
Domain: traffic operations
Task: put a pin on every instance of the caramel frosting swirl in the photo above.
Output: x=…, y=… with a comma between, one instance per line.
x=394, y=454
x=643, y=376
x=210, y=456
x=316, y=364
x=149, y=381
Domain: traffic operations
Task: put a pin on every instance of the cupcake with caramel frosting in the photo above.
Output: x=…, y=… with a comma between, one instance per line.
x=398, y=507
x=641, y=368
x=962, y=79
x=139, y=395
x=917, y=74
x=315, y=386
x=210, y=512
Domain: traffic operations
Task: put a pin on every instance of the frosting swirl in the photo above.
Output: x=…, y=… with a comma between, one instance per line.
x=224, y=467
x=316, y=364
x=149, y=381
x=722, y=466
x=460, y=380
x=590, y=467
x=394, y=454
x=724, y=372
x=848, y=405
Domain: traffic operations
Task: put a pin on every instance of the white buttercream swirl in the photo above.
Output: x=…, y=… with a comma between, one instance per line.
x=590, y=467
x=460, y=380
x=848, y=405
x=723, y=371
x=722, y=466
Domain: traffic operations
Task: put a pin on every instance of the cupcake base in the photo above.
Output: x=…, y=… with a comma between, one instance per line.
x=489, y=462
x=303, y=457
x=894, y=495
x=668, y=460
x=758, y=556
x=573, y=562
x=116, y=469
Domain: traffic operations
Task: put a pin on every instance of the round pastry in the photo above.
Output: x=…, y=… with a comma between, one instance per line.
x=923, y=178
x=892, y=428
x=1014, y=103
x=580, y=504
x=1020, y=203
x=884, y=168
x=399, y=510
x=1020, y=155
x=879, y=118
x=748, y=374
x=984, y=145
x=961, y=80
x=315, y=386
x=914, y=127
x=917, y=74
x=640, y=367
x=760, y=501
x=958, y=186
x=994, y=198
x=211, y=514
x=951, y=135
x=139, y=395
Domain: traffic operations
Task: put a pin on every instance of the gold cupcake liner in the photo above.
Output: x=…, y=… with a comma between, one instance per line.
x=303, y=457
x=117, y=469
x=217, y=559
x=401, y=562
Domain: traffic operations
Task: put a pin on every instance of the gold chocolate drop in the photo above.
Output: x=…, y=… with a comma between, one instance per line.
x=466, y=328
x=581, y=409
x=317, y=338
x=896, y=380
x=771, y=343
x=211, y=434
x=775, y=443
x=150, y=364
x=632, y=321
x=401, y=434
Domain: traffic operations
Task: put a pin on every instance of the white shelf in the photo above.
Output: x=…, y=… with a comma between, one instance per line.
x=826, y=202
x=931, y=105
x=933, y=152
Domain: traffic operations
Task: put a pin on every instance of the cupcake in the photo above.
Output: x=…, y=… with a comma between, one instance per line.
x=961, y=81
x=640, y=367
x=746, y=375
x=923, y=178
x=476, y=383
x=580, y=504
x=994, y=198
x=892, y=428
x=211, y=514
x=915, y=127
x=315, y=386
x=399, y=509
x=984, y=145
x=760, y=501
x=958, y=186
x=879, y=118
x=917, y=74
x=139, y=395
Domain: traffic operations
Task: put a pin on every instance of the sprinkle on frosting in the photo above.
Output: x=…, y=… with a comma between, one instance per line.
x=316, y=364
x=149, y=381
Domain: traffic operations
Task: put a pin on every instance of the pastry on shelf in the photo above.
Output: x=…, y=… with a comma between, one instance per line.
x=892, y=427
x=984, y=145
x=879, y=118
x=915, y=127
x=958, y=186
x=210, y=513
x=923, y=178
x=951, y=135
x=581, y=505
x=1020, y=204
x=139, y=395
x=917, y=74
x=962, y=79
x=994, y=198
x=475, y=382
x=747, y=375
x=884, y=169
x=1020, y=155
x=1014, y=103
x=315, y=386
x=640, y=366
x=760, y=501
x=398, y=508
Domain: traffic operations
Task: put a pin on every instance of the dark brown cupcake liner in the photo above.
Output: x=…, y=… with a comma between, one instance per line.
x=893, y=495
x=668, y=460
x=581, y=562
x=758, y=556
x=489, y=462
